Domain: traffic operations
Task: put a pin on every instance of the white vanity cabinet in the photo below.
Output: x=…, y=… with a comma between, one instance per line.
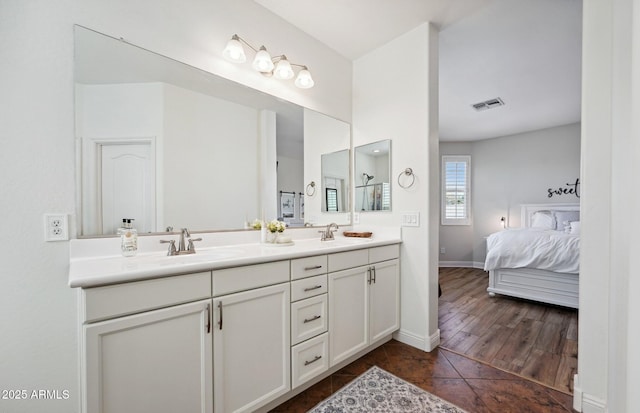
x=151, y=360
x=234, y=339
x=251, y=334
x=364, y=302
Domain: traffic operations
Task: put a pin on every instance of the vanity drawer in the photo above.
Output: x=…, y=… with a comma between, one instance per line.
x=385, y=253
x=309, y=359
x=308, y=287
x=349, y=259
x=309, y=266
x=237, y=279
x=308, y=318
x=101, y=303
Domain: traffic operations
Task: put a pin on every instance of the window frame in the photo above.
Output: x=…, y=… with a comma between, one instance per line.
x=444, y=220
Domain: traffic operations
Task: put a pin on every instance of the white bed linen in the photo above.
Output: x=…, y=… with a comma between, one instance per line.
x=533, y=248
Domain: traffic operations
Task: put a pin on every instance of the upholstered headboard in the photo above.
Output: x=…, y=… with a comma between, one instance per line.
x=527, y=211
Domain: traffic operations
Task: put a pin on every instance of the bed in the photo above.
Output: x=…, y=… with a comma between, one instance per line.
x=540, y=260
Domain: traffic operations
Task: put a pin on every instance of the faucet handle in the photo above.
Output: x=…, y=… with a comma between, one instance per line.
x=190, y=246
x=172, y=246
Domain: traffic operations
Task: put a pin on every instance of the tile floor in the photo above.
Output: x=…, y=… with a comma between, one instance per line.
x=473, y=386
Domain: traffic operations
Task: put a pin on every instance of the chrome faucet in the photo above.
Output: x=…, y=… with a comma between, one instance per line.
x=185, y=244
x=327, y=234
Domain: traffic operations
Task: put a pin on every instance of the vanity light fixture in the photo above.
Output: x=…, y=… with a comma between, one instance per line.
x=278, y=66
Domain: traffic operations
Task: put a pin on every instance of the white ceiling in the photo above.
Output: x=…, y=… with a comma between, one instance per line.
x=527, y=52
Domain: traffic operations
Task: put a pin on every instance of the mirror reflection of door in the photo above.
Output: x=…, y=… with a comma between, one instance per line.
x=124, y=172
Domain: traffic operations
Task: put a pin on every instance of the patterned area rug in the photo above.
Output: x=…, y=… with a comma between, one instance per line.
x=377, y=390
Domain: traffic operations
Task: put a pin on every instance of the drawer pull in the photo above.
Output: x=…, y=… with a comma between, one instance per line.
x=312, y=288
x=316, y=358
x=314, y=318
x=315, y=267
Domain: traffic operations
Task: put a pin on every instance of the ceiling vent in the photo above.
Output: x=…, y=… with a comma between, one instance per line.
x=488, y=104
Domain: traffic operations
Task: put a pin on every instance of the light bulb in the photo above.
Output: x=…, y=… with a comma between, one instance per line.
x=304, y=79
x=234, y=50
x=263, y=63
x=283, y=69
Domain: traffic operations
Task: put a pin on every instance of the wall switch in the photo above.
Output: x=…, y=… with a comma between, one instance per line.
x=411, y=219
x=56, y=227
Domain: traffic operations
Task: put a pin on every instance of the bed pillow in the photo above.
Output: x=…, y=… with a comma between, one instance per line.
x=574, y=227
x=563, y=218
x=543, y=220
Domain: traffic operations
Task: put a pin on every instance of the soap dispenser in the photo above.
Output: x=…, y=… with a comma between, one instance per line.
x=129, y=239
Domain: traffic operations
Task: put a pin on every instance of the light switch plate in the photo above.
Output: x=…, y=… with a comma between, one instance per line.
x=411, y=219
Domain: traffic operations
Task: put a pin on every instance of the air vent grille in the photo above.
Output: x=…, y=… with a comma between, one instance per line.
x=488, y=104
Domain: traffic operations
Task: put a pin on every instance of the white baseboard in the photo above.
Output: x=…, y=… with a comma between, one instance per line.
x=420, y=342
x=409, y=338
x=462, y=264
x=584, y=402
x=434, y=340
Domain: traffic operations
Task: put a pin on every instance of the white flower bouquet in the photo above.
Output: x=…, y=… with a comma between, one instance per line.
x=276, y=226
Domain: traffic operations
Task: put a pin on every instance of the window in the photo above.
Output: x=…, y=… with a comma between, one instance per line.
x=456, y=190
x=332, y=199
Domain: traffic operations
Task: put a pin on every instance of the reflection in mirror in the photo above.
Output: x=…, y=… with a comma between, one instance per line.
x=372, y=182
x=170, y=145
x=335, y=178
x=326, y=135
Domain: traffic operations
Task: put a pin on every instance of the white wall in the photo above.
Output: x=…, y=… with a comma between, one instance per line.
x=608, y=364
x=39, y=345
x=507, y=172
x=402, y=106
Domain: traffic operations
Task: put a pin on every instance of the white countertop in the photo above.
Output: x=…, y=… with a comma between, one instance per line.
x=87, y=269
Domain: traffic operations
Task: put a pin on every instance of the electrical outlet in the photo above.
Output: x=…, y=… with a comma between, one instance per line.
x=356, y=218
x=56, y=227
x=442, y=250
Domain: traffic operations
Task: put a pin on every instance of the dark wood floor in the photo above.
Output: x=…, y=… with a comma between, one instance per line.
x=473, y=386
x=536, y=341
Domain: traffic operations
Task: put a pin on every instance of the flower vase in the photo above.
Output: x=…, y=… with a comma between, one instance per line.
x=273, y=237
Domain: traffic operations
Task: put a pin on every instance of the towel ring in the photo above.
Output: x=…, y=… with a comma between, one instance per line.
x=407, y=172
x=311, y=189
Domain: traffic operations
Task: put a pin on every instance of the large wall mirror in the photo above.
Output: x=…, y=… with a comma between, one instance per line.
x=372, y=176
x=173, y=146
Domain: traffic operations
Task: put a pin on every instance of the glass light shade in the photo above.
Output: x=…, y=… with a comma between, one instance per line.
x=234, y=51
x=304, y=79
x=262, y=62
x=283, y=69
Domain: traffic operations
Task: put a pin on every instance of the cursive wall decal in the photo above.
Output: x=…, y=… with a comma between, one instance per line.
x=569, y=189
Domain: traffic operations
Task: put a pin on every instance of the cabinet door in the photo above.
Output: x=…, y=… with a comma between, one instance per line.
x=157, y=361
x=348, y=313
x=384, y=299
x=251, y=348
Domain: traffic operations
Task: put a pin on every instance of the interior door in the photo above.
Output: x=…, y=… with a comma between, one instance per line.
x=127, y=186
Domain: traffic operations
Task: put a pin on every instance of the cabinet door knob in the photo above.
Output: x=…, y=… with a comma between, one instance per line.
x=220, y=321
